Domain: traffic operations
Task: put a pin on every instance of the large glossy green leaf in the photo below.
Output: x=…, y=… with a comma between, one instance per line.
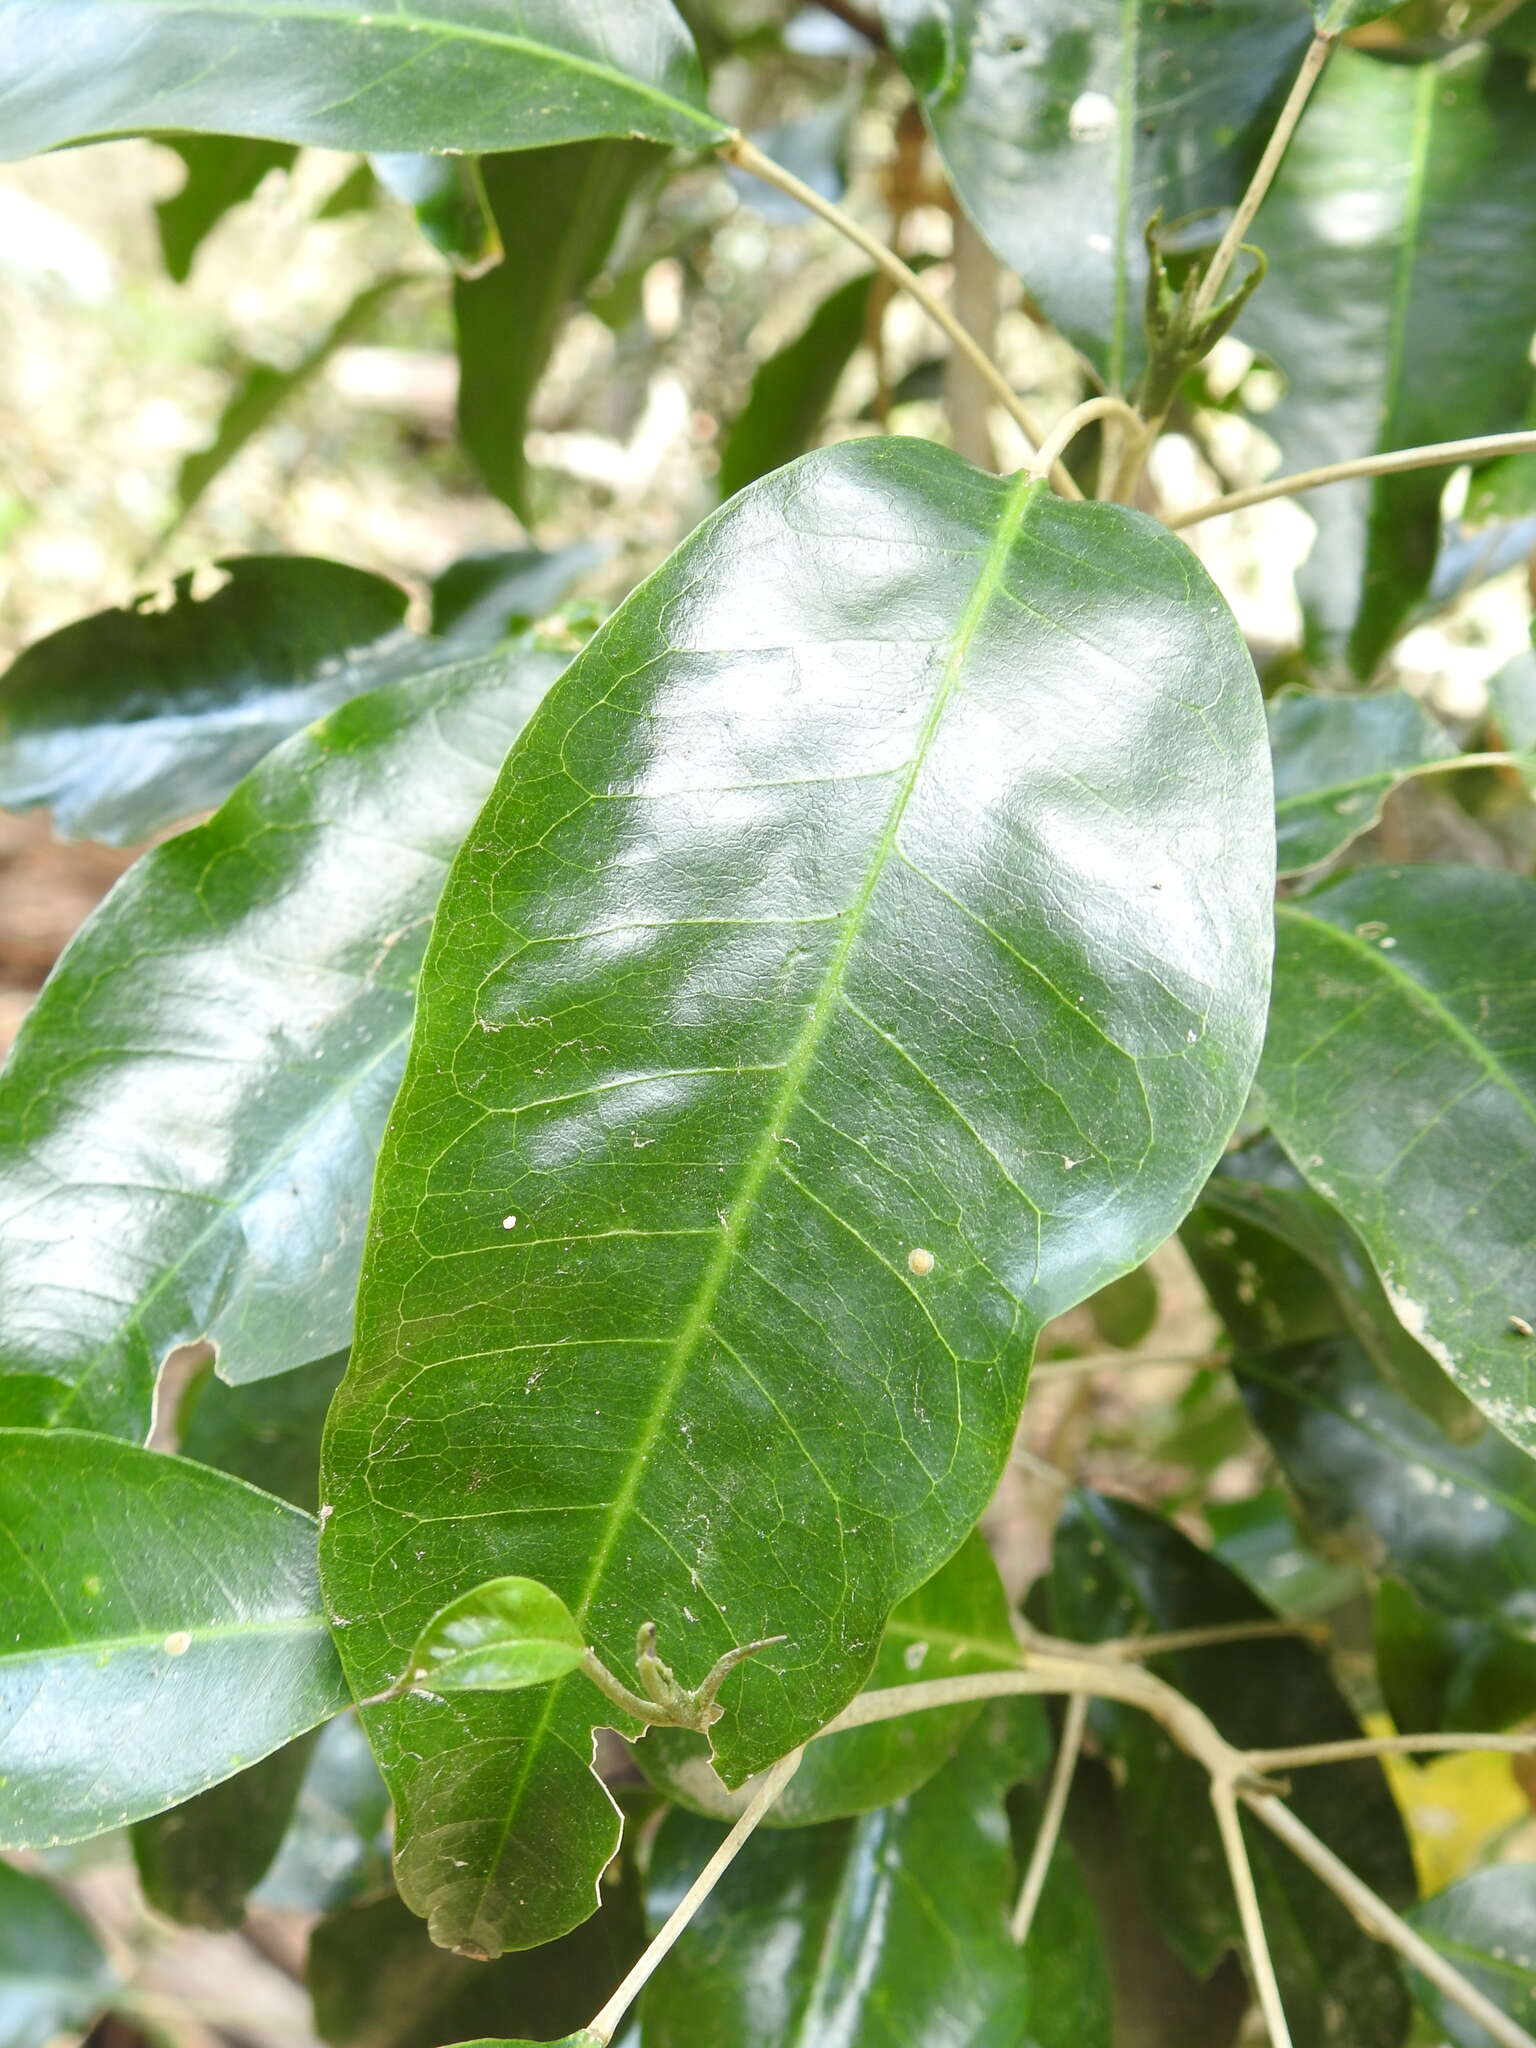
x=189, y=1117
x=728, y=1188
x=792, y=390
x=129, y=720
x=54, y=1978
x=221, y=170
x=877, y=1932
x=163, y=1632
x=1486, y=1925
x=557, y=211
x=1066, y=126
x=1337, y=760
x=1400, y=1075
x=1119, y=1569
x=267, y=1433
x=470, y=75
x=378, y=1981
x=200, y=1862
x=1400, y=301
x=337, y=1845
x=958, y=1622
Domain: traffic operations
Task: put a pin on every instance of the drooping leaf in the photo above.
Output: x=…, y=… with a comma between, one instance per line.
x=1486, y=1925
x=1066, y=127
x=1439, y=1671
x=164, y=1633
x=336, y=1848
x=712, y=1142
x=444, y=75
x=1337, y=760
x=199, y=1862
x=481, y=598
x=793, y=388
x=1400, y=1075
x=221, y=170
x=557, y=212
x=267, y=1434
x=1399, y=303
x=957, y=1623
x=379, y=1982
x=499, y=1637
x=54, y=1976
x=127, y=721
x=264, y=388
x=447, y=196
x=882, y=1931
x=1118, y=1569
x=197, y=1095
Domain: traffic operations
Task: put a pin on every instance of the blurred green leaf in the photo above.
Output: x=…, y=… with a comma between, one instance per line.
x=793, y=389
x=1066, y=1959
x=1337, y=760
x=1486, y=1925
x=481, y=598
x=221, y=170
x=267, y=1434
x=54, y=1976
x=1440, y=1671
x=1259, y=1539
x=199, y=1862
x=447, y=196
x=337, y=1845
x=1125, y=1311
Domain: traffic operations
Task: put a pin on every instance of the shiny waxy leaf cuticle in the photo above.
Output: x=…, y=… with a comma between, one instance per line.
x=499, y=1637
x=692, y=1148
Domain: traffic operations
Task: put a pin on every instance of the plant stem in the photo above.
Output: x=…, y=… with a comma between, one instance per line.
x=1260, y=1962
x=1387, y=1745
x=1378, y=1918
x=1120, y=1361
x=747, y=157
x=606, y=2024
x=1204, y=1638
x=1067, y=429
x=1072, y=1728
x=1263, y=177
x=1435, y=455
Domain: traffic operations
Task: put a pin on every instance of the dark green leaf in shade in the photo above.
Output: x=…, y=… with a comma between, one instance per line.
x=166, y=1633
x=957, y=1623
x=1125, y=1311
x=1399, y=303
x=1119, y=1569
x=1485, y=1925
x=129, y=720
x=268, y=1433
x=189, y=1117
x=557, y=212
x=880, y=1932
x=1260, y=1540
x=337, y=1845
x=1400, y=1075
x=692, y=1148
x=447, y=195
x=499, y=1637
x=1065, y=128
x=378, y=1981
x=481, y=598
x=1439, y=1671
x=264, y=388
x=221, y=170
x=199, y=1862
x=793, y=389
x=1337, y=760
x=457, y=75
x=54, y=1977
x=1070, y=1997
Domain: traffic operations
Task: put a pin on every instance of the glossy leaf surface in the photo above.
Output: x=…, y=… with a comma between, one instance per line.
x=1337, y=759
x=481, y=598
x=189, y=1118
x=378, y=1981
x=1070, y=2002
x=336, y=1848
x=1399, y=303
x=221, y=170
x=878, y=1932
x=692, y=1149
x=957, y=1623
x=468, y=75
x=199, y=1862
x=54, y=1977
x=1118, y=1569
x=1400, y=1075
x=166, y=1633
x=267, y=1434
x=1486, y=1925
x=127, y=721
x=499, y=1637
x=1066, y=126
x=793, y=389
x=557, y=212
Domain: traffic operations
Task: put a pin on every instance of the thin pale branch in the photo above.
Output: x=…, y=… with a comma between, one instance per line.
x=1204, y=1638
x=747, y=157
x=1068, y=428
x=1072, y=1727
x=1435, y=455
x=1387, y=1745
x=1260, y=1961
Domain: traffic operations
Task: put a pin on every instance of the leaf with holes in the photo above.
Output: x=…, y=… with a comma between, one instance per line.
x=725, y=1196
x=1400, y=1075
x=198, y=1093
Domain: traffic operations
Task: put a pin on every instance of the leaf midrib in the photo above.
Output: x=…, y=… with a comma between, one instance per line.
x=154, y=1639
x=796, y=1070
